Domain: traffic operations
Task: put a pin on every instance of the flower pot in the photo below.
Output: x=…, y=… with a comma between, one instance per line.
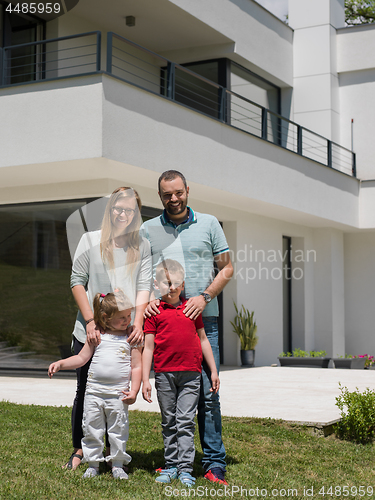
x=247, y=357
x=305, y=362
x=350, y=363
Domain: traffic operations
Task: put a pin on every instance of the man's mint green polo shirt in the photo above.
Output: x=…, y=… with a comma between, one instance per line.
x=194, y=243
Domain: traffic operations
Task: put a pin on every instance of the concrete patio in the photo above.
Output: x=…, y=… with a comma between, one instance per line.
x=305, y=395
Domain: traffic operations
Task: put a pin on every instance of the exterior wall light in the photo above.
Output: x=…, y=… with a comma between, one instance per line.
x=130, y=20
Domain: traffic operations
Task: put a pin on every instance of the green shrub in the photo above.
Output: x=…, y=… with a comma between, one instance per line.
x=300, y=353
x=357, y=415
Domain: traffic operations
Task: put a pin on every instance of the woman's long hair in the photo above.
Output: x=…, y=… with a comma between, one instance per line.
x=107, y=234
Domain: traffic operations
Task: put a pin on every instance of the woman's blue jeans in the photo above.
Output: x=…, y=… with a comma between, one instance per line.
x=209, y=413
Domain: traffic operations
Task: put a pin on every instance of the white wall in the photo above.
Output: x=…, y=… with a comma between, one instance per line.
x=257, y=284
x=356, y=68
x=355, y=48
x=50, y=122
x=82, y=118
x=357, y=98
x=329, y=327
x=367, y=204
x=263, y=42
x=359, y=293
x=260, y=172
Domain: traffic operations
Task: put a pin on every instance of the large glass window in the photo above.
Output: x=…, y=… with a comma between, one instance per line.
x=242, y=113
x=38, y=310
x=249, y=93
x=198, y=93
x=254, y=88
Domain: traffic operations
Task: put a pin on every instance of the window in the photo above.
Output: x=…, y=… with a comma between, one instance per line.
x=16, y=29
x=38, y=310
x=255, y=88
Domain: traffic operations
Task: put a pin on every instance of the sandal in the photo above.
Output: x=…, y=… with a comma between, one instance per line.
x=69, y=463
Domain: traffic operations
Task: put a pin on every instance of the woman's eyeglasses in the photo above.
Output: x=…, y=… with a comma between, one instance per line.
x=129, y=212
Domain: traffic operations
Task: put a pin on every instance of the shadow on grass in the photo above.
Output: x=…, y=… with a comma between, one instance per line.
x=155, y=459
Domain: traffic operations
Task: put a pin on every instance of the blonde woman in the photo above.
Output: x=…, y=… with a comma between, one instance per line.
x=113, y=257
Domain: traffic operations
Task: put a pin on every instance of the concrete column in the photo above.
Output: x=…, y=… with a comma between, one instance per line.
x=329, y=317
x=316, y=100
x=231, y=343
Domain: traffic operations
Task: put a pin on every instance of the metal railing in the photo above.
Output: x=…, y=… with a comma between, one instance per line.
x=50, y=59
x=134, y=64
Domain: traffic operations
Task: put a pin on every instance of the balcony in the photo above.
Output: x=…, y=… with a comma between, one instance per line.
x=81, y=55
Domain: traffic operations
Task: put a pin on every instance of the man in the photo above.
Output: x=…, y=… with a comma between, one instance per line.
x=197, y=241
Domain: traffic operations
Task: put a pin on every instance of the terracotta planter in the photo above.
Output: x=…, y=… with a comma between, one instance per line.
x=350, y=363
x=305, y=362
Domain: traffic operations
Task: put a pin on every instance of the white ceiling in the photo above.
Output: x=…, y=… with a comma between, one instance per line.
x=160, y=25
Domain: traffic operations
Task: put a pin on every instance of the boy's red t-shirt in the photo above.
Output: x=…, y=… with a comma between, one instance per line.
x=177, y=344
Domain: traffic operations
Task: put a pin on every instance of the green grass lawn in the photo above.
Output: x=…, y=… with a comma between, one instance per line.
x=262, y=455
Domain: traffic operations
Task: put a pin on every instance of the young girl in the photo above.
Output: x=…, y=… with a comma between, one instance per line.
x=114, y=363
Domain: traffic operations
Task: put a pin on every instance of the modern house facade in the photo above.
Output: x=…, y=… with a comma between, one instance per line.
x=271, y=124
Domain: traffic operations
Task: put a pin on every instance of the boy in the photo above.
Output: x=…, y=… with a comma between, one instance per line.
x=176, y=343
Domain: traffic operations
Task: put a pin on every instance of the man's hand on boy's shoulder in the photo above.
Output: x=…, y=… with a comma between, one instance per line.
x=194, y=307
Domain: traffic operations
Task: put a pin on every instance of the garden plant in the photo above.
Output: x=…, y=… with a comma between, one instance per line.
x=357, y=415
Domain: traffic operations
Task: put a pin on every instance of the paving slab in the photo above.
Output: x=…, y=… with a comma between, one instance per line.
x=305, y=395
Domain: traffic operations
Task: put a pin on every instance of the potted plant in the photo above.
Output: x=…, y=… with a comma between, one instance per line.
x=245, y=327
x=352, y=362
x=299, y=357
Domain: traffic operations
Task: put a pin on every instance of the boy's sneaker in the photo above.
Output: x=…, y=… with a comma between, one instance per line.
x=119, y=473
x=186, y=479
x=216, y=475
x=91, y=472
x=166, y=475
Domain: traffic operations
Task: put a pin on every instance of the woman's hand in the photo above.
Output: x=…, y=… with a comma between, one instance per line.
x=53, y=368
x=135, y=335
x=93, y=334
x=152, y=308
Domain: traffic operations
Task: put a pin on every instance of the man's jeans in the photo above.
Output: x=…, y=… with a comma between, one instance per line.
x=209, y=414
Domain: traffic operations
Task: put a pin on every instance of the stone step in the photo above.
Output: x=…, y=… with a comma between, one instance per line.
x=15, y=354
x=9, y=349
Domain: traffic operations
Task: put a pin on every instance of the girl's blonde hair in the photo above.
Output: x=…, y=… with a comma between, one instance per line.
x=106, y=306
x=107, y=236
